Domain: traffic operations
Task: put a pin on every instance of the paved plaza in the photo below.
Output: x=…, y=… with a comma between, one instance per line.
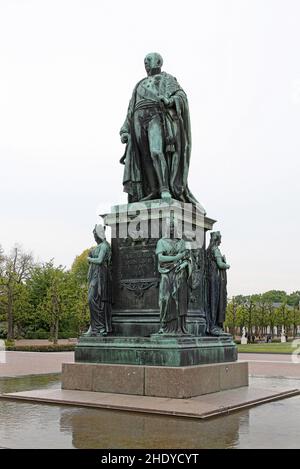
x=271, y=365
x=32, y=363
x=35, y=363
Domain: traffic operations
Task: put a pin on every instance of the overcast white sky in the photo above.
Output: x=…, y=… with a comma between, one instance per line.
x=67, y=70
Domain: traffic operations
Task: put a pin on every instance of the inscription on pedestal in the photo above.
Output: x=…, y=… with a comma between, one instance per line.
x=137, y=264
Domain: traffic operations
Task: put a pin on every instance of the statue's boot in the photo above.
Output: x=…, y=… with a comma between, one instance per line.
x=166, y=196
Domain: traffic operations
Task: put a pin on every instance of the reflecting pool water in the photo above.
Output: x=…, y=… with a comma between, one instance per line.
x=24, y=425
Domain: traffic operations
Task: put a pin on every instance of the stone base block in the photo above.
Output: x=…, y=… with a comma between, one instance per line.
x=156, y=381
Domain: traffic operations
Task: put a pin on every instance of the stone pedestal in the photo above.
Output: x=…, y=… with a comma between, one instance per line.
x=156, y=381
x=135, y=359
x=136, y=228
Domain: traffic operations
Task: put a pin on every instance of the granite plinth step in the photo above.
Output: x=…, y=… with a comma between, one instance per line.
x=156, y=350
x=202, y=407
x=155, y=381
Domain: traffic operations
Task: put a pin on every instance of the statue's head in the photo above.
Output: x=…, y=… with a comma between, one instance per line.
x=153, y=63
x=99, y=233
x=215, y=238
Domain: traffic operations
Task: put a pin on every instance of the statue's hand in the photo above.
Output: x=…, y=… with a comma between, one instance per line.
x=179, y=256
x=124, y=138
x=167, y=102
x=227, y=266
x=181, y=266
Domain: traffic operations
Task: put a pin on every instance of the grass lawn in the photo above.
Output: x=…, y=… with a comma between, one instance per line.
x=267, y=348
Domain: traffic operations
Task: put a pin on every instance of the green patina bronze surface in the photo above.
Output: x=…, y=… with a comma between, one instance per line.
x=217, y=285
x=156, y=350
x=175, y=268
x=99, y=278
x=157, y=134
x=168, y=303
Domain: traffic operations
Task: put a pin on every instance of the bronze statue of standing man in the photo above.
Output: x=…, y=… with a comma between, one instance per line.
x=158, y=137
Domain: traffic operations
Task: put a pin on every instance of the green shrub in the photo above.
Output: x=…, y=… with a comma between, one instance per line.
x=3, y=333
x=29, y=335
x=41, y=348
x=40, y=334
x=9, y=343
x=67, y=335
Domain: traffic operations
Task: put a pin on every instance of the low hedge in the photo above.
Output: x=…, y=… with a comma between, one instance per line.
x=37, y=335
x=67, y=335
x=46, y=335
x=41, y=348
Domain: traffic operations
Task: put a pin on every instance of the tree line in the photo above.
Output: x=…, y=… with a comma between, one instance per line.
x=265, y=313
x=41, y=300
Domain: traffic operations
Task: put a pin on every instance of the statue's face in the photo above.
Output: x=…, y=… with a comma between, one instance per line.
x=151, y=61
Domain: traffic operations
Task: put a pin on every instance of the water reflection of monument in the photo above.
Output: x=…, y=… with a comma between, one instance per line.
x=95, y=428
